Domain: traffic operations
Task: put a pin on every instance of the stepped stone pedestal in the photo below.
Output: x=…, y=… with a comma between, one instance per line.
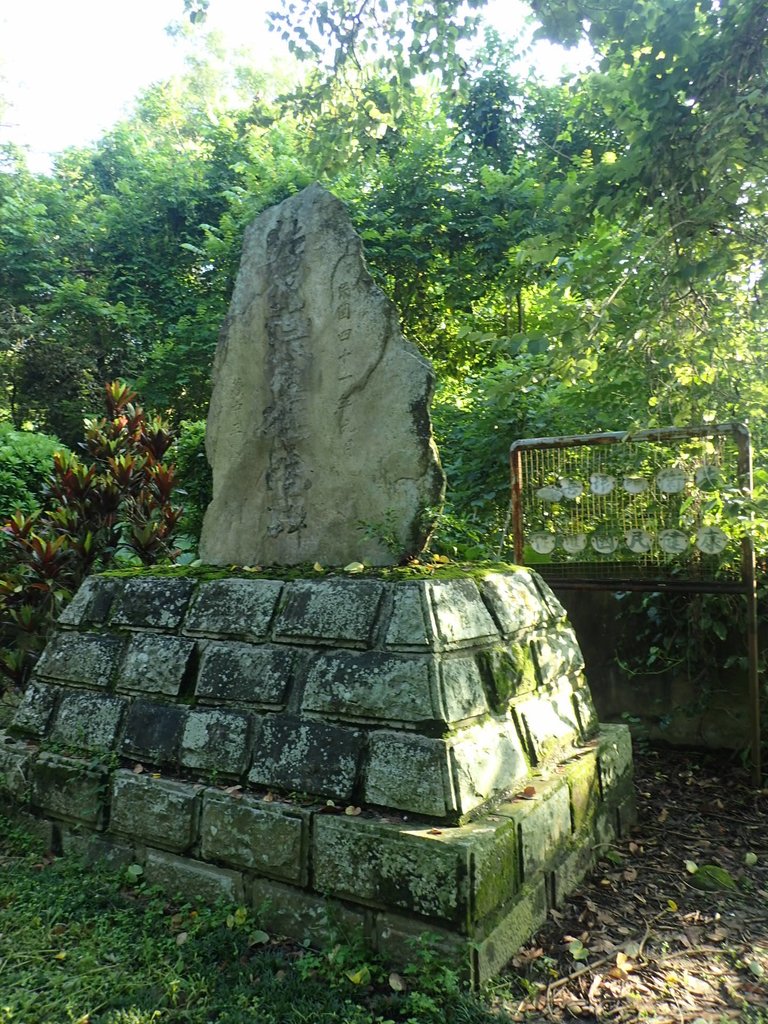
x=395, y=756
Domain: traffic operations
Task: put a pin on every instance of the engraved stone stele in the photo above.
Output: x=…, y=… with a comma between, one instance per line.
x=318, y=430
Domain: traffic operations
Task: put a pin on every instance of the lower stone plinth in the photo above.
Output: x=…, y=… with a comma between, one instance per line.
x=391, y=756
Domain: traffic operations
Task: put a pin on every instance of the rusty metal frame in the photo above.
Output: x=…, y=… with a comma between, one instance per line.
x=747, y=584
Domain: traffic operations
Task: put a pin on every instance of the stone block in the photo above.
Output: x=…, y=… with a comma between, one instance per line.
x=69, y=789
x=521, y=919
x=233, y=608
x=33, y=716
x=549, y=723
x=584, y=785
x=372, y=686
x=158, y=812
x=93, y=847
x=87, y=721
x=155, y=664
x=88, y=658
x=543, y=823
x=410, y=773
x=331, y=612
x=488, y=761
x=558, y=656
x=513, y=600
x=283, y=910
x=244, y=832
x=573, y=869
x=389, y=866
x=216, y=741
x=153, y=602
x=245, y=674
x=586, y=713
x=411, y=625
x=460, y=615
x=301, y=755
x=153, y=731
x=555, y=610
x=192, y=879
x=16, y=760
x=399, y=939
x=461, y=688
x=92, y=603
x=615, y=756
x=509, y=671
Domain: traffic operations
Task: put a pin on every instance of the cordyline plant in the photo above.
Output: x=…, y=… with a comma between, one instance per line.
x=115, y=501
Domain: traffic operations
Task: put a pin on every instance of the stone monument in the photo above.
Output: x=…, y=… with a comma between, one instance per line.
x=394, y=753
x=319, y=421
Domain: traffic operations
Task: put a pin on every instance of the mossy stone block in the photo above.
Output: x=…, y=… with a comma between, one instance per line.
x=509, y=671
x=155, y=664
x=461, y=688
x=89, y=659
x=558, y=655
x=233, y=608
x=153, y=602
x=248, y=833
x=192, y=879
x=543, y=823
x=16, y=760
x=615, y=756
x=153, y=731
x=87, y=721
x=284, y=910
x=92, y=603
x=391, y=866
x=409, y=772
x=295, y=754
x=238, y=673
x=33, y=715
x=330, y=612
x=583, y=782
x=459, y=613
x=411, y=625
x=514, y=601
x=69, y=789
x=518, y=923
x=372, y=685
x=216, y=741
x=159, y=812
x=549, y=723
x=488, y=760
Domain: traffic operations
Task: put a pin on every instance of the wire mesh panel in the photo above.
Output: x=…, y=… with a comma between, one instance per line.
x=652, y=506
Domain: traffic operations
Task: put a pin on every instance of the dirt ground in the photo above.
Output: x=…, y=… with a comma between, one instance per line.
x=673, y=925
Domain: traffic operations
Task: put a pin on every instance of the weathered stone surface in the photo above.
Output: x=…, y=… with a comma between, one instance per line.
x=216, y=741
x=551, y=603
x=233, y=607
x=87, y=721
x=244, y=674
x=586, y=712
x=410, y=773
x=558, y=656
x=462, y=690
x=153, y=602
x=615, y=756
x=333, y=611
x=390, y=867
x=192, y=878
x=159, y=812
x=396, y=937
x=319, y=418
x=372, y=685
x=248, y=833
x=513, y=600
x=522, y=919
x=544, y=824
x=295, y=754
x=155, y=664
x=584, y=787
x=69, y=789
x=284, y=910
x=460, y=614
x=411, y=624
x=153, y=731
x=510, y=671
x=549, y=724
x=15, y=769
x=34, y=714
x=92, y=603
x=87, y=658
x=488, y=761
